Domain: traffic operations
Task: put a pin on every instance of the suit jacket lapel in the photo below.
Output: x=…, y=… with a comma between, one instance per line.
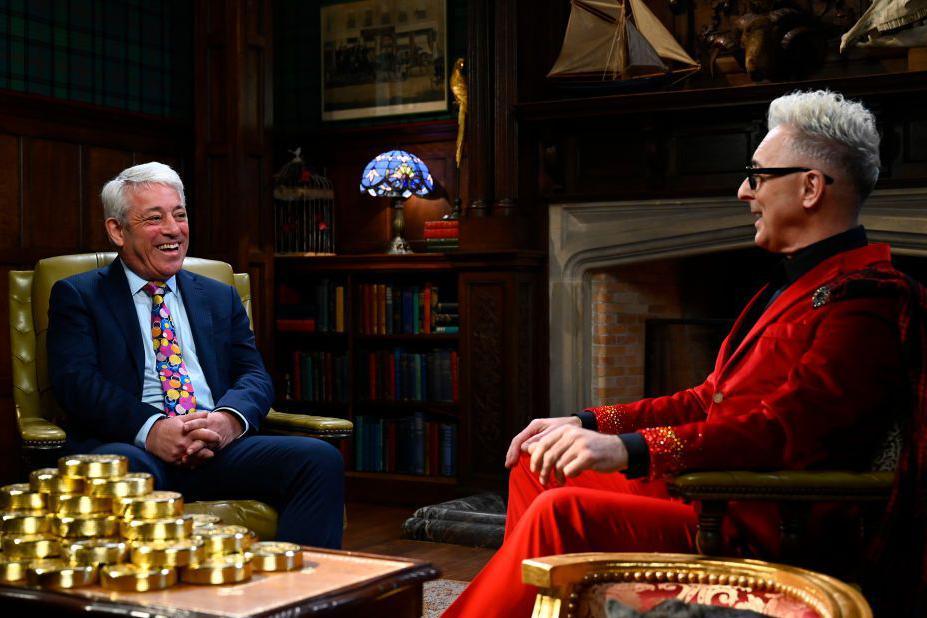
x=118, y=297
x=200, y=320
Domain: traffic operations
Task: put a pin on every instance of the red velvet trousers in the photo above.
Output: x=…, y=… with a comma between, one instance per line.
x=591, y=512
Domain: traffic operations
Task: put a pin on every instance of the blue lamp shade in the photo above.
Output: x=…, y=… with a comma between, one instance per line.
x=396, y=173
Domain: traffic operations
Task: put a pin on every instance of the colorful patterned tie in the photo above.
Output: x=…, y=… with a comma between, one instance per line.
x=175, y=382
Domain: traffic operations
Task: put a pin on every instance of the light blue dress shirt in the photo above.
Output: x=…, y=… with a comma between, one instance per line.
x=151, y=386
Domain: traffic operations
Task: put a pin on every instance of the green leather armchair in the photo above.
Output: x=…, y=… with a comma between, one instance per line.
x=38, y=413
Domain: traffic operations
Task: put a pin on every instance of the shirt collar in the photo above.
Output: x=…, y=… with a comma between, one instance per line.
x=136, y=283
x=805, y=259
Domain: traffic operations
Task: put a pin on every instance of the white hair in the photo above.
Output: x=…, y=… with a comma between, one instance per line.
x=832, y=130
x=115, y=192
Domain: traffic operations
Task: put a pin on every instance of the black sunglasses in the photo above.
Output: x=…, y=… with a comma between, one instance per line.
x=754, y=172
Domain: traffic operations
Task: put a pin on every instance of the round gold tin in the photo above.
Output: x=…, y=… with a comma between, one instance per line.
x=20, y=497
x=49, y=481
x=31, y=547
x=167, y=553
x=94, y=525
x=97, y=552
x=74, y=504
x=230, y=569
x=276, y=556
x=58, y=574
x=226, y=539
x=204, y=519
x=132, y=578
x=93, y=466
x=13, y=570
x=20, y=524
x=156, y=505
x=43, y=480
x=167, y=529
x=132, y=484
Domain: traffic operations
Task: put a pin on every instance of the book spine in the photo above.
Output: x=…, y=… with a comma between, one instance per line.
x=448, y=232
x=446, y=330
x=390, y=319
x=442, y=224
x=304, y=325
x=455, y=379
x=339, y=309
x=426, y=307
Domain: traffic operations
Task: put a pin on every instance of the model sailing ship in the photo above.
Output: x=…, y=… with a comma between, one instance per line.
x=618, y=43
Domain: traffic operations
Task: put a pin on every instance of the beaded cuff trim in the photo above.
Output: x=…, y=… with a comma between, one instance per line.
x=611, y=419
x=666, y=451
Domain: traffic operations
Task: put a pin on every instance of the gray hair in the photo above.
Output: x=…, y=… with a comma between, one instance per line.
x=115, y=192
x=832, y=130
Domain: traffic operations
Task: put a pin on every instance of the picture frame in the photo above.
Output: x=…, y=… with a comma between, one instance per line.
x=383, y=58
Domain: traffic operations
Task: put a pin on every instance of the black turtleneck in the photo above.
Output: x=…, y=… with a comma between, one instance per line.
x=783, y=274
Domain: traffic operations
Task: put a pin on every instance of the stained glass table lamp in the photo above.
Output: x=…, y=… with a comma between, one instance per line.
x=397, y=174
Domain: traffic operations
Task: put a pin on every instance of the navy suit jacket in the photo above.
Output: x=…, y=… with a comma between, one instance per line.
x=96, y=359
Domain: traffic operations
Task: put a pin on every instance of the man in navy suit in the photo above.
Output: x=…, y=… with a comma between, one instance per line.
x=181, y=396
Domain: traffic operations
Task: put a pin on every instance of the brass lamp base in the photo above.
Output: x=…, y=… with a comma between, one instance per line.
x=398, y=246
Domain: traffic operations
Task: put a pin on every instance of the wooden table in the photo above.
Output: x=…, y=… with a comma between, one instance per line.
x=332, y=583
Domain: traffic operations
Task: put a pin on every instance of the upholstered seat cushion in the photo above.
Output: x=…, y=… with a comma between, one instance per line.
x=594, y=601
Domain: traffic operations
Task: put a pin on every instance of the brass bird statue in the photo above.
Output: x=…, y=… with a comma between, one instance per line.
x=459, y=90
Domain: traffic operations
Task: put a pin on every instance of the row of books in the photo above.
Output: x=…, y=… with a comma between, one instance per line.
x=443, y=235
x=397, y=375
x=413, y=309
x=320, y=308
x=406, y=445
x=319, y=376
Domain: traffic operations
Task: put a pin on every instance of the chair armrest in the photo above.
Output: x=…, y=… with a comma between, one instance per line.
x=304, y=424
x=41, y=434
x=791, y=485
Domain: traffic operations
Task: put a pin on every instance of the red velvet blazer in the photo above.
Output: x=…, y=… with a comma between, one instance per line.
x=814, y=384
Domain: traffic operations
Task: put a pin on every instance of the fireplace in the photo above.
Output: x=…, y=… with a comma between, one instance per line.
x=641, y=292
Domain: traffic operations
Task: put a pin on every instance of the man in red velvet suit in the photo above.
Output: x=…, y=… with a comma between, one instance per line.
x=803, y=380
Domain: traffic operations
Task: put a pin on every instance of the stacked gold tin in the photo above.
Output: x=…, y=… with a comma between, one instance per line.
x=90, y=520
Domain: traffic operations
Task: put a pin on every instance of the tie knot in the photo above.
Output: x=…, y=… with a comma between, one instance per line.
x=155, y=288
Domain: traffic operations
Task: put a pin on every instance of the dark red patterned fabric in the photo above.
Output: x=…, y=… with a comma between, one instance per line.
x=897, y=579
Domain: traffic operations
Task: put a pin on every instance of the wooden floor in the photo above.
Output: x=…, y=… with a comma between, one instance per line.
x=377, y=529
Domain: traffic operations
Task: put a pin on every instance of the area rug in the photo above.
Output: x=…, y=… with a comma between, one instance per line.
x=439, y=594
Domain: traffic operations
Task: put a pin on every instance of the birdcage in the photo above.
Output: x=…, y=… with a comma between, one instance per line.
x=303, y=210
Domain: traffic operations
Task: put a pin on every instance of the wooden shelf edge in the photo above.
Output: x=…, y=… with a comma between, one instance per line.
x=724, y=96
x=408, y=478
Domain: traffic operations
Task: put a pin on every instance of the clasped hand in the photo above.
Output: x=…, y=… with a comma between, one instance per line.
x=191, y=439
x=560, y=446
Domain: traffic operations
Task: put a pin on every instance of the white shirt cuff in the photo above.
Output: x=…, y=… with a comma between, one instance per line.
x=241, y=417
x=141, y=438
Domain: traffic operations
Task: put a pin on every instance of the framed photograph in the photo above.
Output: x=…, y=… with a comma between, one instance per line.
x=383, y=58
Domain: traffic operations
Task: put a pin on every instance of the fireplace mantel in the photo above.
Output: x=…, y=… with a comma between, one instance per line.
x=597, y=235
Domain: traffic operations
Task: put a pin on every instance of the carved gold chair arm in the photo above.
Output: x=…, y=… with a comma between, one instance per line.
x=565, y=583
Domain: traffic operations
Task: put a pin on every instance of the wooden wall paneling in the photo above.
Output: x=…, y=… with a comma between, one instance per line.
x=480, y=128
x=52, y=195
x=100, y=165
x=505, y=83
x=482, y=382
x=10, y=193
x=232, y=161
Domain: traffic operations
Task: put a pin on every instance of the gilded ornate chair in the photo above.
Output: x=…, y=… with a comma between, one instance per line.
x=37, y=410
x=584, y=585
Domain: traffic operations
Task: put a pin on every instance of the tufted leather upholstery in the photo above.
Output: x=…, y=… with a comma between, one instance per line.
x=36, y=408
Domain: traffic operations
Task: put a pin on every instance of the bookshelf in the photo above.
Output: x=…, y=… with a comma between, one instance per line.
x=389, y=342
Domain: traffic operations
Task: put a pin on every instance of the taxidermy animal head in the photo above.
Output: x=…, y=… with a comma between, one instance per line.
x=783, y=43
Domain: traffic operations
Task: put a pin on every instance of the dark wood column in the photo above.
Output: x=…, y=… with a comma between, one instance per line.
x=233, y=210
